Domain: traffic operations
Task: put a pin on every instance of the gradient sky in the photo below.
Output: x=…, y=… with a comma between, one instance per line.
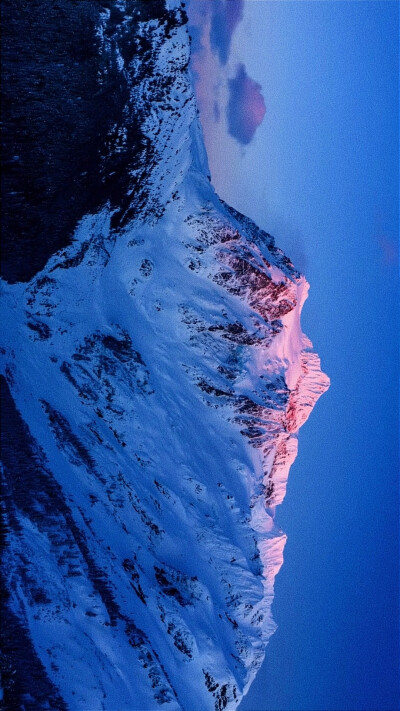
x=321, y=173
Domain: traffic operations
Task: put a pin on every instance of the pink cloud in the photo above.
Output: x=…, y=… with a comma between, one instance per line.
x=212, y=24
x=389, y=248
x=246, y=107
x=222, y=18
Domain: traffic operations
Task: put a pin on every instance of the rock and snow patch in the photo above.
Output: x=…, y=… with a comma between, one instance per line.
x=156, y=377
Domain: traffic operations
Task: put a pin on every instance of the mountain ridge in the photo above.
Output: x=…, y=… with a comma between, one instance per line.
x=159, y=376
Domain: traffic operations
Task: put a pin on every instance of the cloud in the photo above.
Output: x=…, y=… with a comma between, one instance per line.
x=219, y=19
x=212, y=24
x=246, y=108
x=389, y=249
x=225, y=15
x=386, y=239
x=216, y=111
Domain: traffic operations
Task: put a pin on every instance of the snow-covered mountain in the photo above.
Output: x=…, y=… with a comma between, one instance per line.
x=154, y=380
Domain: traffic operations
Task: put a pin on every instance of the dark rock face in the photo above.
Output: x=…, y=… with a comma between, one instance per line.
x=26, y=685
x=70, y=127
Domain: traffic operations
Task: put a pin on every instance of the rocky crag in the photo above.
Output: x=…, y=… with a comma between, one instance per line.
x=154, y=378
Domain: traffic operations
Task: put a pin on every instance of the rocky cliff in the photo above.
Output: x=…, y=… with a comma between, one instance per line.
x=154, y=380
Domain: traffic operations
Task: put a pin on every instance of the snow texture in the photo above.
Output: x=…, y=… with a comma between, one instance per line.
x=155, y=377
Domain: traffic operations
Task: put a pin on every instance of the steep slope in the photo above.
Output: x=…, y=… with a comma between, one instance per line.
x=154, y=380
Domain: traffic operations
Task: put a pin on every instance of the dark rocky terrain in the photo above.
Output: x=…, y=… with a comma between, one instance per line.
x=64, y=101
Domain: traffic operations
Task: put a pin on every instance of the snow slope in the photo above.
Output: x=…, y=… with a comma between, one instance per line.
x=155, y=378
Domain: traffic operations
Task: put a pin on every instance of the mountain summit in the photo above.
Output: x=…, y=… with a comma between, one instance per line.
x=154, y=380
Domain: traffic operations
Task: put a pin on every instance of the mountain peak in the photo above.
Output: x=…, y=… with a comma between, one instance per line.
x=154, y=377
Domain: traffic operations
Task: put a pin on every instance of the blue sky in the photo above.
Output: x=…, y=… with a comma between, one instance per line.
x=321, y=173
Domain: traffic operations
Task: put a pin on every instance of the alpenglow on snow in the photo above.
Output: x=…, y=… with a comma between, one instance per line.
x=154, y=378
